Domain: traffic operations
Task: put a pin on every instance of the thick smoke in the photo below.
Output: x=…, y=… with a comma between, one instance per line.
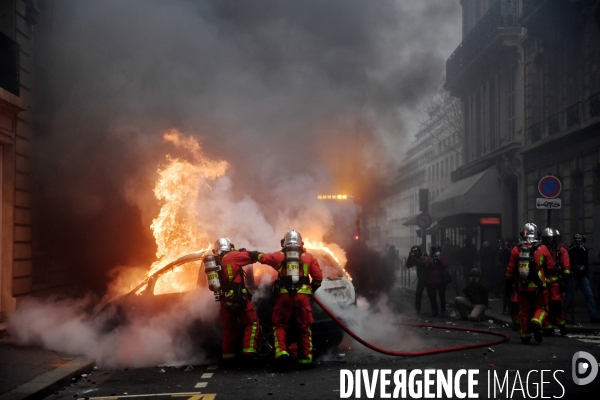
x=299, y=97
x=292, y=94
x=172, y=337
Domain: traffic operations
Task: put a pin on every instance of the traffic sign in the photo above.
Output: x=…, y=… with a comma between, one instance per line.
x=424, y=220
x=548, y=204
x=549, y=186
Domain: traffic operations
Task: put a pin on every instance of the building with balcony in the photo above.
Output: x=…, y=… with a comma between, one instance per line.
x=433, y=155
x=486, y=73
x=562, y=114
x=17, y=22
x=528, y=76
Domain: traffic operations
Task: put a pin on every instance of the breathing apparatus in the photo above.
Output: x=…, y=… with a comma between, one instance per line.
x=292, y=250
x=212, y=268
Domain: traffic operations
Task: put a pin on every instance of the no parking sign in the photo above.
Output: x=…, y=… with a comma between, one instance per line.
x=549, y=186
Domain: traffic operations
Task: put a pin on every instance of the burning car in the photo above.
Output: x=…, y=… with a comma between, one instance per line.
x=148, y=299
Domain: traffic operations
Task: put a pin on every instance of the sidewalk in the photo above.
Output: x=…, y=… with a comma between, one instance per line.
x=582, y=324
x=30, y=372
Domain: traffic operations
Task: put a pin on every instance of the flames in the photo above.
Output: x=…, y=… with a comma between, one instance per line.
x=331, y=250
x=178, y=230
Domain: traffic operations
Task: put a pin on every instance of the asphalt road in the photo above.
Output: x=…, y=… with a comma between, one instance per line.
x=520, y=364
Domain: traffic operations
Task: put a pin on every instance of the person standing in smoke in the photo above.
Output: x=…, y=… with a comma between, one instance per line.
x=557, y=276
x=578, y=255
x=436, y=267
x=467, y=256
x=487, y=257
x=525, y=274
x=295, y=266
x=450, y=251
x=510, y=306
x=417, y=259
x=226, y=277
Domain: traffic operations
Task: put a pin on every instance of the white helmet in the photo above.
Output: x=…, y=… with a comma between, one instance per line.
x=222, y=245
x=291, y=238
x=530, y=232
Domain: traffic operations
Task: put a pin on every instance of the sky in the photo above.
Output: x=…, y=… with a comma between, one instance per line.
x=299, y=97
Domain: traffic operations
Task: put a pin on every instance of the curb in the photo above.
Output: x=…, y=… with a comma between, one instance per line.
x=570, y=328
x=51, y=381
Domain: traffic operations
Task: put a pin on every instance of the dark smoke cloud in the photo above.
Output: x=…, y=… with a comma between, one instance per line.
x=280, y=89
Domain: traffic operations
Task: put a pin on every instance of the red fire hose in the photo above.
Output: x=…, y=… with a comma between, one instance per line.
x=504, y=337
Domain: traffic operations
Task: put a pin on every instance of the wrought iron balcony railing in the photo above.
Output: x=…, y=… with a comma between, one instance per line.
x=573, y=115
x=502, y=13
x=9, y=64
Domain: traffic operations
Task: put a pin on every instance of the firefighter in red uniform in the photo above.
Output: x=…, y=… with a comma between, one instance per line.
x=294, y=290
x=525, y=274
x=557, y=274
x=224, y=270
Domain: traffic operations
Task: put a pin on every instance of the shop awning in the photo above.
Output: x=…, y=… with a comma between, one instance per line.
x=476, y=194
x=411, y=221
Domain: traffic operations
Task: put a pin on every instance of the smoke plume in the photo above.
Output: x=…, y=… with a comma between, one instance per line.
x=293, y=95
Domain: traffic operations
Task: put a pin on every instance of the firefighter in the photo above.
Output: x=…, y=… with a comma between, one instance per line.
x=556, y=280
x=226, y=277
x=417, y=259
x=294, y=290
x=524, y=275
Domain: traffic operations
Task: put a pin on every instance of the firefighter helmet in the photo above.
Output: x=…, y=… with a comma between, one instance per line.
x=292, y=238
x=530, y=232
x=548, y=232
x=222, y=245
x=579, y=237
x=558, y=235
x=548, y=236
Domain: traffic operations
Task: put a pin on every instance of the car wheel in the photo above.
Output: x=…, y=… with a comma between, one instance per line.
x=265, y=341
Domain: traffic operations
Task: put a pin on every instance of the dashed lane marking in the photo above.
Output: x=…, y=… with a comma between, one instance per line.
x=187, y=395
x=206, y=375
x=210, y=367
x=586, y=338
x=200, y=385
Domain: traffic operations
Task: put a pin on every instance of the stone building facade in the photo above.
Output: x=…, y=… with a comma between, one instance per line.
x=17, y=31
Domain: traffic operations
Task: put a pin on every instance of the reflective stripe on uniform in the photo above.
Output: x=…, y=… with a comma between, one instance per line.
x=310, y=348
x=538, y=320
x=229, y=272
x=251, y=345
x=278, y=351
x=305, y=289
x=229, y=355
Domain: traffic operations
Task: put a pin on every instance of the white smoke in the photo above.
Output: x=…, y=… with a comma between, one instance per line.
x=373, y=322
x=143, y=340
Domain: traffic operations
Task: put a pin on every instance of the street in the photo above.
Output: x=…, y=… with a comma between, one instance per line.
x=257, y=381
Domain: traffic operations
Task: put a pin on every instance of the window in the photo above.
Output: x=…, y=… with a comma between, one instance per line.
x=511, y=104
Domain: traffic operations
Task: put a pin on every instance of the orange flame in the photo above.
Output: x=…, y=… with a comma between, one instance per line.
x=177, y=230
x=310, y=245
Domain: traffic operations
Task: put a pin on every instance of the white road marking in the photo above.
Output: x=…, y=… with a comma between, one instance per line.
x=206, y=375
x=142, y=395
x=201, y=385
x=212, y=367
x=586, y=338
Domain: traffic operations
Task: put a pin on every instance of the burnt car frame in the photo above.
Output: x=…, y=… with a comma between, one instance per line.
x=142, y=300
